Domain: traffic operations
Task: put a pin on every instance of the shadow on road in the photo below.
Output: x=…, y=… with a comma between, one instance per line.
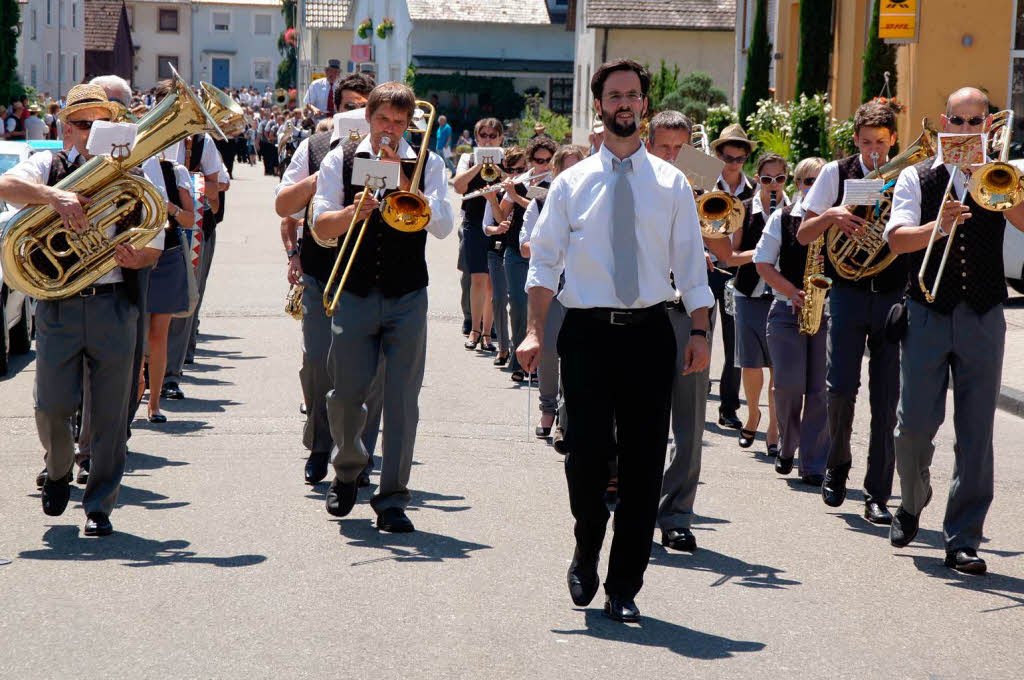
x=651, y=632
x=65, y=543
x=193, y=405
x=172, y=426
x=18, y=363
x=419, y=546
x=1006, y=587
x=128, y=495
x=930, y=538
x=728, y=568
x=138, y=462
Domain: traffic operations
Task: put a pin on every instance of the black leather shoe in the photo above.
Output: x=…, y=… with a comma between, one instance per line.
x=363, y=479
x=729, y=419
x=812, y=480
x=679, y=539
x=903, y=528
x=833, y=488
x=302, y=408
x=877, y=513
x=41, y=479
x=171, y=391
x=341, y=497
x=966, y=560
x=316, y=467
x=621, y=609
x=542, y=432
x=56, y=495
x=158, y=418
x=783, y=465
x=98, y=524
x=466, y=326
x=582, y=579
x=83, y=471
x=560, y=446
x=395, y=521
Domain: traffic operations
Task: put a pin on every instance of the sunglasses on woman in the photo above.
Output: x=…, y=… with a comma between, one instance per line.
x=541, y=161
x=485, y=135
x=807, y=181
x=778, y=179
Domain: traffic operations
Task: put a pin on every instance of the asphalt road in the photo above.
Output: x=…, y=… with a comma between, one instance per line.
x=224, y=564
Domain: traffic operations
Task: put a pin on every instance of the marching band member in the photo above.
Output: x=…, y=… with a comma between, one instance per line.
x=383, y=310
x=961, y=332
x=605, y=226
x=799, y=360
x=321, y=93
x=753, y=301
x=859, y=309
x=94, y=328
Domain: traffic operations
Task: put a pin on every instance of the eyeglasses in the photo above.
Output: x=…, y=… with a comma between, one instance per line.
x=735, y=160
x=351, y=106
x=960, y=120
x=632, y=96
x=778, y=179
x=808, y=181
x=484, y=135
x=541, y=161
x=86, y=124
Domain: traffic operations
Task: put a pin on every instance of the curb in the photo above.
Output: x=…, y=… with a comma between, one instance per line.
x=1011, y=401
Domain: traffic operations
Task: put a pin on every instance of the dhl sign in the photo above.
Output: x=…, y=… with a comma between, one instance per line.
x=898, y=20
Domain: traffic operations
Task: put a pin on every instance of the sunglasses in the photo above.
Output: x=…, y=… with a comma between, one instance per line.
x=518, y=168
x=778, y=179
x=484, y=135
x=86, y=124
x=352, y=106
x=541, y=161
x=960, y=120
x=734, y=160
x=808, y=181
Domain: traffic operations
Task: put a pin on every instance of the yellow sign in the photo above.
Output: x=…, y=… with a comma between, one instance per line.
x=317, y=75
x=897, y=19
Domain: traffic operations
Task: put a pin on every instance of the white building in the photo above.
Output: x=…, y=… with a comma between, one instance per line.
x=325, y=32
x=234, y=42
x=162, y=36
x=51, y=47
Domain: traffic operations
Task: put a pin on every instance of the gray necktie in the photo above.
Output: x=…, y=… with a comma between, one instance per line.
x=627, y=281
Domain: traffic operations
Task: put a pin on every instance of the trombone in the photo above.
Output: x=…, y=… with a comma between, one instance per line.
x=996, y=186
x=405, y=211
x=719, y=212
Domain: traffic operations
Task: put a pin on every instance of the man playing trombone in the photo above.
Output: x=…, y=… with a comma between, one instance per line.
x=382, y=311
x=959, y=327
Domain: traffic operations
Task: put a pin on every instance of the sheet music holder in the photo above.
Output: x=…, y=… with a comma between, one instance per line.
x=375, y=174
x=111, y=139
x=701, y=169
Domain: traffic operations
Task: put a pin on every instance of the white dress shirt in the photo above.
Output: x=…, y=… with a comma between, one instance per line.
x=745, y=184
x=574, y=233
x=330, y=189
x=906, y=197
x=758, y=207
x=297, y=171
x=530, y=218
x=36, y=169
x=209, y=164
x=823, y=193
x=768, y=248
x=35, y=128
x=317, y=93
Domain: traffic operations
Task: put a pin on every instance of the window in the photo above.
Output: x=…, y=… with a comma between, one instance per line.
x=261, y=24
x=579, y=95
x=163, y=66
x=34, y=75
x=261, y=70
x=33, y=22
x=62, y=68
x=561, y=95
x=168, y=21
x=74, y=15
x=221, y=21
x=131, y=17
x=49, y=12
x=74, y=68
x=49, y=66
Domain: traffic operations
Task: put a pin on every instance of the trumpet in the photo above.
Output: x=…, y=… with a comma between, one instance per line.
x=699, y=139
x=525, y=177
x=996, y=186
x=719, y=212
x=280, y=96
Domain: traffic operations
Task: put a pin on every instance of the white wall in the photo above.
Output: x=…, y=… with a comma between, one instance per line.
x=152, y=43
x=391, y=55
x=66, y=37
x=495, y=41
x=586, y=56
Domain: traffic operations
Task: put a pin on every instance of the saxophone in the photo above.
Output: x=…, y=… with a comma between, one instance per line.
x=816, y=286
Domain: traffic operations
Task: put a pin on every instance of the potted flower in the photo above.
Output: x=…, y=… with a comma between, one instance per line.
x=363, y=31
x=385, y=28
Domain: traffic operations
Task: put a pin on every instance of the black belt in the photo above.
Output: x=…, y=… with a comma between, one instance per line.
x=872, y=285
x=101, y=289
x=625, y=317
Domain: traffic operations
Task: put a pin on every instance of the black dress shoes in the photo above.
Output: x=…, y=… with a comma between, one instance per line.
x=621, y=609
x=812, y=480
x=316, y=467
x=542, y=432
x=783, y=465
x=729, y=419
x=679, y=539
x=171, y=391
x=41, y=479
x=83, y=471
x=833, y=488
x=395, y=521
x=98, y=524
x=341, y=497
x=903, y=528
x=560, y=446
x=56, y=495
x=877, y=513
x=466, y=325
x=966, y=560
x=582, y=579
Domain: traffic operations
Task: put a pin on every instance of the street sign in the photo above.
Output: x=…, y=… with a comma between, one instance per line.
x=898, y=20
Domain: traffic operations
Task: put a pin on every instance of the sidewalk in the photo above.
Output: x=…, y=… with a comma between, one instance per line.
x=1011, y=392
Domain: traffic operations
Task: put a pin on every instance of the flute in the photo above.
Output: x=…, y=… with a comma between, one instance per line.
x=525, y=177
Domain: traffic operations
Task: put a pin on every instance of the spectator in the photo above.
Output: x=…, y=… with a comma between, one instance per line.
x=35, y=128
x=443, y=141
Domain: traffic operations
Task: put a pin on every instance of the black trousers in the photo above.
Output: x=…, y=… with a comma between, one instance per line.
x=729, y=382
x=269, y=158
x=622, y=412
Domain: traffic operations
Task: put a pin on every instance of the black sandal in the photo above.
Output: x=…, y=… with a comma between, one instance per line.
x=518, y=375
x=501, y=359
x=486, y=345
x=747, y=436
x=471, y=344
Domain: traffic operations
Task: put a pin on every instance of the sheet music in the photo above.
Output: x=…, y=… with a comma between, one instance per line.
x=962, y=150
x=488, y=154
x=862, y=191
x=382, y=174
x=700, y=169
x=106, y=135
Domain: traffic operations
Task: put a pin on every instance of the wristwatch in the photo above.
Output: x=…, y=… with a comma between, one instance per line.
x=698, y=331
x=292, y=253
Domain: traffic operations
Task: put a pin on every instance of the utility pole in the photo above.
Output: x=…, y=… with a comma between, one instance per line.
x=60, y=32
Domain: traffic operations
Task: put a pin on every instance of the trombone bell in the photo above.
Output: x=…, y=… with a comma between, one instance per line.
x=720, y=214
x=406, y=210
x=997, y=186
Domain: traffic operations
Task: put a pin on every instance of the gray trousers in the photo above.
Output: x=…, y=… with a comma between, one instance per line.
x=499, y=297
x=547, y=370
x=316, y=380
x=97, y=333
x=689, y=406
x=181, y=338
x=858, y=316
x=465, y=283
x=971, y=347
x=516, y=268
x=800, y=402
x=366, y=329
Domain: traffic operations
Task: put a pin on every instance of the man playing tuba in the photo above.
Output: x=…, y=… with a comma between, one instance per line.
x=96, y=326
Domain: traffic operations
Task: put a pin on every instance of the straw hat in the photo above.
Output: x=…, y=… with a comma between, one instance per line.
x=88, y=97
x=734, y=134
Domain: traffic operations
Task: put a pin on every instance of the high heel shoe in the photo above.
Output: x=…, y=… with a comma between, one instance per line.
x=471, y=343
x=501, y=359
x=747, y=436
x=485, y=344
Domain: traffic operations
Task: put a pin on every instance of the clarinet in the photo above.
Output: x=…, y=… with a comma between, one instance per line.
x=772, y=202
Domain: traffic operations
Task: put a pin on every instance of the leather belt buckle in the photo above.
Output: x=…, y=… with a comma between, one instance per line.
x=613, y=318
x=88, y=291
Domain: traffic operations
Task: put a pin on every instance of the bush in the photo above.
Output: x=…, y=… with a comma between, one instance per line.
x=556, y=125
x=809, y=118
x=692, y=94
x=840, y=138
x=759, y=59
x=770, y=116
x=718, y=117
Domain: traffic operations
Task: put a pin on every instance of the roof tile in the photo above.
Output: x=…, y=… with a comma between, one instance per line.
x=704, y=15
x=529, y=12
x=328, y=14
x=102, y=20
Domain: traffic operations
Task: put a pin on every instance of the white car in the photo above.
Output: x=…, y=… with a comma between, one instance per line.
x=1013, y=250
x=17, y=320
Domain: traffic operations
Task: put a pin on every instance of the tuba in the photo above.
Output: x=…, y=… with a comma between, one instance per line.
x=223, y=110
x=49, y=261
x=816, y=287
x=868, y=253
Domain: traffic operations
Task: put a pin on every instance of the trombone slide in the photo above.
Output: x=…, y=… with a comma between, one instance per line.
x=929, y=294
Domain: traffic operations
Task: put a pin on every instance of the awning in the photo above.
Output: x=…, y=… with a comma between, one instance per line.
x=491, y=66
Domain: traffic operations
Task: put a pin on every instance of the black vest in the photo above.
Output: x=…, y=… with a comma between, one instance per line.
x=892, y=277
x=792, y=255
x=974, y=271
x=746, y=193
x=316, y=260
x=753, y=225
x=518, y=213
x=59, y=169
x=172, y=237
x=389, y=260
x=474, y=207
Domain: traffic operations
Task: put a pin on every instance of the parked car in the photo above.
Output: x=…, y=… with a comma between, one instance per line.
x=17, y=310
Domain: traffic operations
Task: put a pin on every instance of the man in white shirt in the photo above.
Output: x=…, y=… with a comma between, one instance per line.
x=617, y=223
x=320, y=95
x=96, y=326
x=382, y=310
x=35, y=128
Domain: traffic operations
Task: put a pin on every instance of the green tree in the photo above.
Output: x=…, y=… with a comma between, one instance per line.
x=534, y=112
x=692, y=94
x=759, y=57
x=287, y=70
x=812, y=69
x=879, y=58
x=664, y=82
x=10, y=85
